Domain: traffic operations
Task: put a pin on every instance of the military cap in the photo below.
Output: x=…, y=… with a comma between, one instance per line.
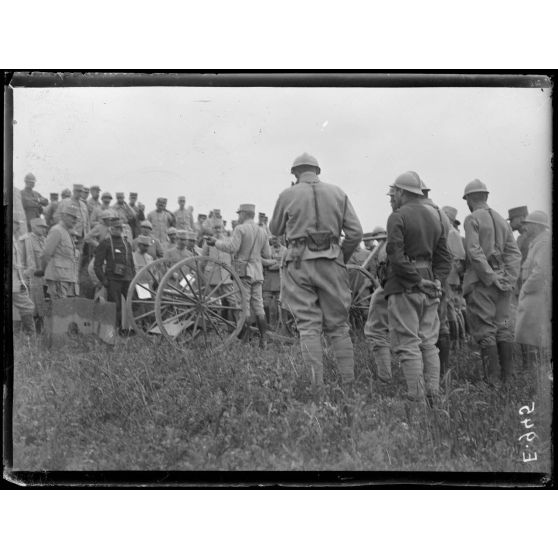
x=66, y=193
x=145, y=240
x=368, y=236
x=147, y=224
x=77, y=187
x=181, y=198
x=451, y=212
x=116, y=222
x=218, y=211
x=106, y=195
x=95, y=189
x=162, y=200
x=38, y=222
x=191, y=235
x=54, y=195
x=520, y=211
x=71, y=210
x=107, y=214
x=120, y=194
x=30, y=177
x=171, y=230
x=133, y=194
x=85, y=189
x=246, y=207
x=202, y=215
x=538, y=218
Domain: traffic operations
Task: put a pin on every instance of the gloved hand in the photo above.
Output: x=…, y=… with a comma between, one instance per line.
x=433, y=289
x=502, y=283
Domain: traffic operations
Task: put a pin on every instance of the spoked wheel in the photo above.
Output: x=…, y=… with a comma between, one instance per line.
x=362, y=286
x=140, y=301
x=192, y=312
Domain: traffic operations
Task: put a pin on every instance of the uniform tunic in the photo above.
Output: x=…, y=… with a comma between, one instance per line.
x=97, y=214
x=128, y=218
x=176, y=255
x=50, y=212
x=161, y=221
x=20, y=293
x=93, y=204
x=249, y=244
x=19, y=218
x=82, y=225
x=62, y=262
x=141, y=260
x=155, y=250
x=184, y=219
x=535, y=299
x=488, y=307
x=315, y=288
x=33, y=204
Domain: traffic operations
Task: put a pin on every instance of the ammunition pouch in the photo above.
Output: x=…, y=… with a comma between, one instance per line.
x=119, y=270
x=240, y=267
x=316, y=241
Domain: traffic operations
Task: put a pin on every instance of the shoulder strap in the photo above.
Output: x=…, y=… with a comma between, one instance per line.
x=253, y=244
x=495, y=230
x=316, y=206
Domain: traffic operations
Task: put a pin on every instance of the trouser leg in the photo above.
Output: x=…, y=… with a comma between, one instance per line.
x=505, y=355
x=382, y=360
x=311, y=347
x=344, y=355
x=444, y=353
x=491, y=363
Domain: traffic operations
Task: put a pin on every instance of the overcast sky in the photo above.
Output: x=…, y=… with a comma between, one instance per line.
x=225, y=146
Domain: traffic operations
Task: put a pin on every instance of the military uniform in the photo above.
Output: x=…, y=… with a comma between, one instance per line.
x=535, y=299
x=61, y=272
x=184, y=219
x=127, y=216
x=19, y=219
x=141, y=260
x=50, y=212
x=272, y=281
x=161, y=221
x=114, y=267
x=21, y=300
x=491, y=255
x=92, y=205
x=176, y=254
x=416, y=250
x=155, y=250
x=249, y=244
x=33, y=246
x=97, y=214
x=82, y=226
x=315, y=279
x=33, y=204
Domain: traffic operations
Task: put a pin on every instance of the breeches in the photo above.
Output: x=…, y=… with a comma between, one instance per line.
x=252, y=301
x=413, y=324
x=376, y=329
x=488, y=310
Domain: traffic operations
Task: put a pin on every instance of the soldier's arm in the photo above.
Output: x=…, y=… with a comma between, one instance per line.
x=399, y=261
x=158, y=248
x=441, y=259
x=51, y=242
x=279, y=219
x=43, y=201
x=352, y=229
x=512, y=256
x=92, y=236
x=474, y=252
x=232, y=244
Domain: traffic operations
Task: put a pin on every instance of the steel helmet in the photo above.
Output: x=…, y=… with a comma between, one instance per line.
x=107, y=214
x=30, y=177
x=409, y=181
x=306, y=159
x=538, y=218
x=379, y=232
x=474, y=186
x=451, y=212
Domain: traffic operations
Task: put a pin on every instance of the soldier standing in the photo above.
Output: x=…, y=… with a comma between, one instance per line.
x=33, y=246
x=376, y=329
x=20, y=292
x=248, y=245
x=93, y=202
x=161, y=219
x=516, y=216
x=418, y=263
x=184, y=248
x=31, y=200
x=125, y=214
x=114, y=267
x=50, y=210
x=492, y=265
x=183, y=216
x=59, y=263
x=82, y=225
x=313, y=214
x=532, y=326
x=272, y=280
x=141, y=256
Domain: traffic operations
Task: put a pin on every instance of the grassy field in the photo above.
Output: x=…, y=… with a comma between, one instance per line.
x=142, y=406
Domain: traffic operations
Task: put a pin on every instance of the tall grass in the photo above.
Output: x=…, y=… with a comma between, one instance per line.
x=141, y=405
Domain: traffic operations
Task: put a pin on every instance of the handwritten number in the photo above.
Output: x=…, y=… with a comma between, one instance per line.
x=525, y=409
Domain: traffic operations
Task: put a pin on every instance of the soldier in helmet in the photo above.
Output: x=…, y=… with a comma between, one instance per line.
x=493, y=262
x=155, y=250
x=313, y=215
x=418, y=263
x=100, y=230
x=32, y=201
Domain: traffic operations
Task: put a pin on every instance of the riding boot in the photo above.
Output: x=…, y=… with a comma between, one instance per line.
x=262, y=327
x=38, y=323
x=382, y=359
x=505, y=354
x=444, y=352
x=284, y=330
x=27, y=324
x=491, y=364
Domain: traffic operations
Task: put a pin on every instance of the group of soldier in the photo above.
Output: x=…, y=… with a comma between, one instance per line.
x=430, y=282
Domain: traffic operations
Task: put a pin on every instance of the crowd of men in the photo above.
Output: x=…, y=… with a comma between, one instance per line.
x=430, y=283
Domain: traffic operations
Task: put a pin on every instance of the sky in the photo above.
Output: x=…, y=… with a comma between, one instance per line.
x=224, y=146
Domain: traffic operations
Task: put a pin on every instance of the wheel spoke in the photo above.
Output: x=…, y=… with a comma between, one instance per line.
x=216, y=329
x=216, y=287
x=171, y=302
x=199, y=277
x=195, y=326
x=219, y=317
x=216, y=298
x=178, y=291
x=223, y=307
x=144, y=315
x=175, y=317
x=188, y=281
